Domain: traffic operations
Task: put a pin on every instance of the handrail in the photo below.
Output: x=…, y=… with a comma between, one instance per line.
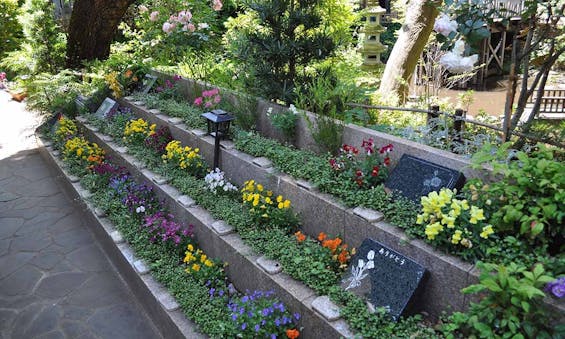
x=459, y=118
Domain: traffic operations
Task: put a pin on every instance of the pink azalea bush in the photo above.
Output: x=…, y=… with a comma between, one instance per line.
x=209, y=98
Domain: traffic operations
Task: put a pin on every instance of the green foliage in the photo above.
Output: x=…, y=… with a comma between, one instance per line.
x=44, y=36
x=285, y=122
x=512, y=307
x=10, y=27
x=53, y=93
x=529, y=197
x=277, y=40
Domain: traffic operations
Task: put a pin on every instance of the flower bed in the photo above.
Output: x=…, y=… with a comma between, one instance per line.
x=219, y=207
x=198, y=284
x=444, y=284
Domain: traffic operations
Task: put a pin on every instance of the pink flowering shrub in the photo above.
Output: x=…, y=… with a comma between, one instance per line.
x=209, y=99
x=167, y=32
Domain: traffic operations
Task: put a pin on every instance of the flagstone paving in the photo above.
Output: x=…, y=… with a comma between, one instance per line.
x=55, y=281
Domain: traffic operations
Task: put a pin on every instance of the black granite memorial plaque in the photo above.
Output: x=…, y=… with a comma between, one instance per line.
x=383, y=276
x=414, y=177
x=106, y=107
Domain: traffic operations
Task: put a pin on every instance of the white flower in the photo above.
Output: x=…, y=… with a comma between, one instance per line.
x=140, y=209
x=203, y=25
x=444, y=25
x=455, y=62
x=142, y=9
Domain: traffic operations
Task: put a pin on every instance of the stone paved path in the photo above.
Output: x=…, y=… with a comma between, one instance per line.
x=55, y=281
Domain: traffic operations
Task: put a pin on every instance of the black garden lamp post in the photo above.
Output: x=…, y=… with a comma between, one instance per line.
x=218, y=126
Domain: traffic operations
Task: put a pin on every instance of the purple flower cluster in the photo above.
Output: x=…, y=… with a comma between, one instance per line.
x=158, y=141
x=162, y=226
x=556, y=287
x=168, y=85
x=141, y=199
x=259, y=315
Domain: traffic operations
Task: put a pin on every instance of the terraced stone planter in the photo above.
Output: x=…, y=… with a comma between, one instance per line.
x=320, y=212
x=246, y=270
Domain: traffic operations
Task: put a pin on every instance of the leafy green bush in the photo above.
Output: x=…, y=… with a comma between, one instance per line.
x=528, y=199
x=512, y=307
x=277, y=40
x=10, y=27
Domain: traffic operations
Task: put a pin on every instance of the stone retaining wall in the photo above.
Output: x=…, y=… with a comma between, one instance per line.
x=246, y=270
x=321, y=212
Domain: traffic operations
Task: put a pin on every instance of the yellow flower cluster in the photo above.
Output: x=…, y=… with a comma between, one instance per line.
x=80, y=149
x=138, y=130
x=114, y=84
x=184, y=157
x=66, y=129
x=256, y=195
x=195, y=259
x=454, y=220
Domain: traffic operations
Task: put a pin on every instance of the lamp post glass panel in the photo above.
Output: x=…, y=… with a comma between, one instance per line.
x=218, y=122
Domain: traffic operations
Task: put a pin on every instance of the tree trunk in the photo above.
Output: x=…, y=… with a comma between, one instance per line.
x=92, y=28
x=413, y=36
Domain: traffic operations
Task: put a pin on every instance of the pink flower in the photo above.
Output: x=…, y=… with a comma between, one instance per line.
x=191, y=27
x=142, y=9
x=217, y=5
x=184, y=16
x=198, y=101
x=153, y=16
x=217, y=99
x=214, y=91
x=168, y=27
x=207, y=104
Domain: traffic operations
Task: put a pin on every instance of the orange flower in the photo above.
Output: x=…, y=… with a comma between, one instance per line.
x=321, y=236
x=332, y=244
x=292, y=334
x=342, y=257
x=129, y=73
x=299, y=236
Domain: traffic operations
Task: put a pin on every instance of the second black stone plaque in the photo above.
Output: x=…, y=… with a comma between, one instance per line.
x=415, y=177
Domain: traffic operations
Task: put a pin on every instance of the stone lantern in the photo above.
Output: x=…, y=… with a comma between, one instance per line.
x=372, y=47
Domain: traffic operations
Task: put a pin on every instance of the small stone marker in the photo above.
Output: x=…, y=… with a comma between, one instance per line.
x=53, y=122
x=148, y=82
x=415, y=177
x=383, y=276
x=106, y=107
x=80, y=103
